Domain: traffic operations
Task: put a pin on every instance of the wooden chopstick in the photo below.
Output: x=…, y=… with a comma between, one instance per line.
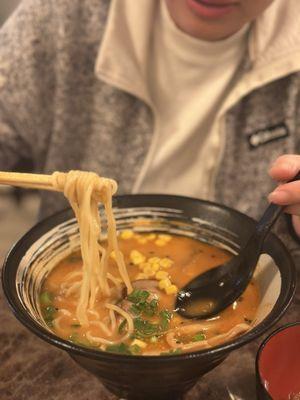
x=37, y=181
x=31, y=181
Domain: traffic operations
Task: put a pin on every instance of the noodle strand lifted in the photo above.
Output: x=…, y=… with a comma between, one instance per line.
x=85, y=190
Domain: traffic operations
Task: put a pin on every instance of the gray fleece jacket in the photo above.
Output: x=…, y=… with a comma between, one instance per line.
x=58, y=112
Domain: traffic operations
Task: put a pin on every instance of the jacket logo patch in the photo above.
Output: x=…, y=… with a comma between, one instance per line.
x=264, y=136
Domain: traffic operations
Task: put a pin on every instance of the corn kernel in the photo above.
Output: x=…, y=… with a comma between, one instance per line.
x=160, y=242
x=153, y=260
x=144, y=265
x=135, y=253
x=148, y=271
x=136, y=257
x=126, y=234
x=164, y=283
x=165, y=237
x=139, y=343
x=173, y=289
x=142, y=240
x=166, y=263
x=161, y=275
x=151, y=236
x=155, y=267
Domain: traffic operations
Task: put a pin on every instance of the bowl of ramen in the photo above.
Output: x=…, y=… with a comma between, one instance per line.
x=126, y=330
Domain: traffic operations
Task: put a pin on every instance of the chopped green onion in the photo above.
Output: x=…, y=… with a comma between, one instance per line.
x=122, y=326
x=49, y=314
x=165, y=317
x=171, y=352
x=135, y=349
x=79, y=340
x=141, y=305
x=144, y=328
x=73, y=258
x=150, y=309
x=46, y=298
x=121, y=348
x=134, y=309
x=137, y=296
x=75, y=325
x=198, y=337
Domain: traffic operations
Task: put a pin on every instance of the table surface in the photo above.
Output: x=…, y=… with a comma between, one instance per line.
x=32, y=369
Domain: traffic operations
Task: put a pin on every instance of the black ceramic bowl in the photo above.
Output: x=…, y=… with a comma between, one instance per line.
x=138, y=377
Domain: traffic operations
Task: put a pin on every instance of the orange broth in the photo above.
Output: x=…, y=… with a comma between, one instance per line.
x=187, y=258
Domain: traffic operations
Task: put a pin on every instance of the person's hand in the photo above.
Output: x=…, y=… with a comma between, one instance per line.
x=287, y=194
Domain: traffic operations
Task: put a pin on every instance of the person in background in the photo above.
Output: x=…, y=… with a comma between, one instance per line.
x=190, y=97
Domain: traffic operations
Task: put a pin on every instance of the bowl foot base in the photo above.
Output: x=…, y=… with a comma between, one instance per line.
x=151, y=396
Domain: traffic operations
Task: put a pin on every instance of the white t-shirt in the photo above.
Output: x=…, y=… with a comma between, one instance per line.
x=188, y=81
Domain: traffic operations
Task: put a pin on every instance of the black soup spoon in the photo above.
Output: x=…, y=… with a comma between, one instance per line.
x=214, y=290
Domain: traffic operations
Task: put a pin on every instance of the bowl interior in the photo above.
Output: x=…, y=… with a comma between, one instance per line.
x=34, y=256
x=278, y=363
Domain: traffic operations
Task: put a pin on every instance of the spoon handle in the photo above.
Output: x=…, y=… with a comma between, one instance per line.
x=268, y=219
x=271, y=215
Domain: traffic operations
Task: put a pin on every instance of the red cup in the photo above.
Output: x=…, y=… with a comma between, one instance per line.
x=278, y=365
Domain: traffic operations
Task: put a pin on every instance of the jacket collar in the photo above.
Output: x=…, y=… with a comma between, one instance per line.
x=122, y=56
x=276, y=33
x=274, y=46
